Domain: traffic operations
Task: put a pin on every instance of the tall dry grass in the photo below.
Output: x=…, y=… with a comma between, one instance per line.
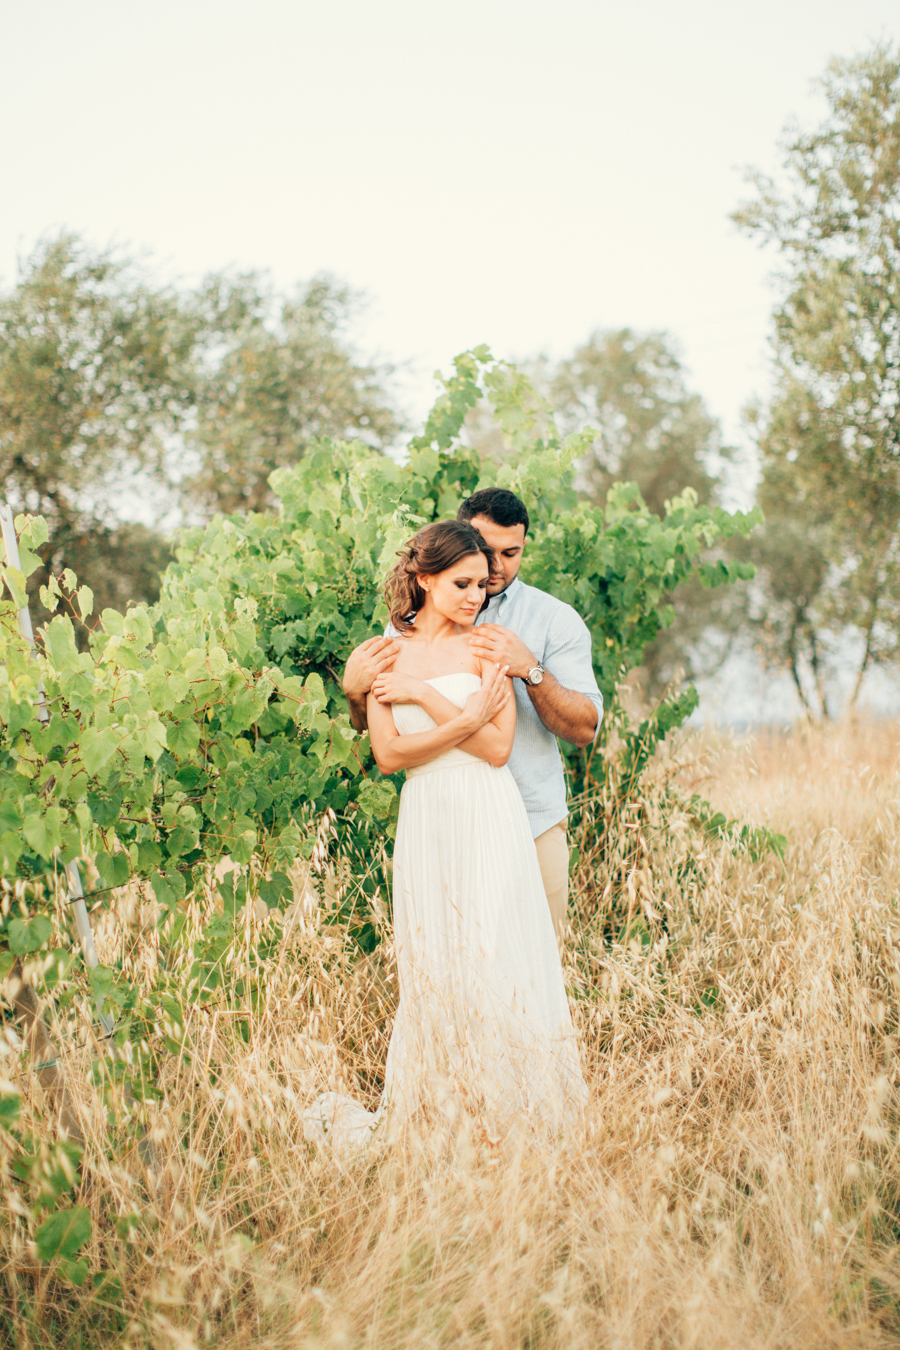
x=735, y=1182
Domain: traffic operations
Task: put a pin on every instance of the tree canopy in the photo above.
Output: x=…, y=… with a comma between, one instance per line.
x=647, y=427
x=274, y=373
x=116, y=389
x=95, y=373
x=651, y=429
x=829, y=438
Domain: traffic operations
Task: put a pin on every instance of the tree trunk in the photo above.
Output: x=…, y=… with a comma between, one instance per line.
x=817, y=672
x=43, y=1051
x=867, y=654
x=793, y=658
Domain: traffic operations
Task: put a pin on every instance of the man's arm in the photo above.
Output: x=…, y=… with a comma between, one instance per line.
x=566, y=712
x=572, y=716
x=366, y=662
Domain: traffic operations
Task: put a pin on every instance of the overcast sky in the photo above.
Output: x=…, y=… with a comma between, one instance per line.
x=517, y=172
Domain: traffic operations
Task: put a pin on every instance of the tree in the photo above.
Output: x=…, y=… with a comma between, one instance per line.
x=113, y=387
x=652, y=431
x=273, y=374
x=829, y=438
x=94, y=373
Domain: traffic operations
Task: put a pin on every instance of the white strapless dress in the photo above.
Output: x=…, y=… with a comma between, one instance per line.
x=483, y=1021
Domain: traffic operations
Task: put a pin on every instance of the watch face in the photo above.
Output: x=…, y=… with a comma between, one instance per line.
x=535, y=676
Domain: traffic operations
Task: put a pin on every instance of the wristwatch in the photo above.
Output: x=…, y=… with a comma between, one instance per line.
x=534, y=676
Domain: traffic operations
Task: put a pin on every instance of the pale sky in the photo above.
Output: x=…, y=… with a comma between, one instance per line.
x=511, y=173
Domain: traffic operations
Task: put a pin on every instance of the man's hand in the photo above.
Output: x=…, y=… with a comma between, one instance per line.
x=564, y=712
x=494, y=643
x=367, y=661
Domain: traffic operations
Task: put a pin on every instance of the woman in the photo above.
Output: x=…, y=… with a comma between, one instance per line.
x=483, y=1017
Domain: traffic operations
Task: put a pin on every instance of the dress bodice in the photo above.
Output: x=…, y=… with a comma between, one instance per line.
x=409, y=718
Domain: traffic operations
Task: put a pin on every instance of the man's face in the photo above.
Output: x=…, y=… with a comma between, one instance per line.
x=508, y=542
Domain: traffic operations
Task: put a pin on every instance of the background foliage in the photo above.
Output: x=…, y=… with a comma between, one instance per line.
x=829, y=438
x=198, y=760
x=211, y=726
x=125, y=403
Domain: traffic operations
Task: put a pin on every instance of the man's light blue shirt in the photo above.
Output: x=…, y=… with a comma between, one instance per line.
x=561, y=643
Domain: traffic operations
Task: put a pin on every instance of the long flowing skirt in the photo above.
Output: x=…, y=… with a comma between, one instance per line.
x=483, y=1021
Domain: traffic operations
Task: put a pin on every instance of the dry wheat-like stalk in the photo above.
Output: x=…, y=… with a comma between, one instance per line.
x=734, y=1183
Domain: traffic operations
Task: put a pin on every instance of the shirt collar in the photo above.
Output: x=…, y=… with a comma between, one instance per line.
x=509, y=593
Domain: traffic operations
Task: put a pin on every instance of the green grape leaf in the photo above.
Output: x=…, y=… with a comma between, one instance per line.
x=44, y=832
x=74, y=1271
x=32, y=530
x=183, y=737
x=105, y=807
x=15, y=581
x=10, y=1106
x=85, y=598
x=150, y=855
x=114, y=868
x=10, y=851
x=106, y=988
x=98, y=745
x=63, y=1234
x=21, y=715
x=29, y=935
x=10, y=815
x=377, y=799
x=276, y=890
x=164, y=892
x=59, y=640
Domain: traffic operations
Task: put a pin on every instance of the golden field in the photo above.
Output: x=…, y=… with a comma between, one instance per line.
x=735, y=1183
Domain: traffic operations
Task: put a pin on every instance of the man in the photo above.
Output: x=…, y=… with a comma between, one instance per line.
x=547, y=648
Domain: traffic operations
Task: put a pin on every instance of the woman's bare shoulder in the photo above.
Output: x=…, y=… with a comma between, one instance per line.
x=463, y=658
x=409, y=656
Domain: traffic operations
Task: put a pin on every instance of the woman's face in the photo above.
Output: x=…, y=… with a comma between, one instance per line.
x=458, y=593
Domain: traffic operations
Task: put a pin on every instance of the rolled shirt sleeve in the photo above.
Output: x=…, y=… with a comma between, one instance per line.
x=568, y=657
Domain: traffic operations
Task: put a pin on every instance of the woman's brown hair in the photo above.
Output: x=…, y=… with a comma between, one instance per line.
x=435, y=548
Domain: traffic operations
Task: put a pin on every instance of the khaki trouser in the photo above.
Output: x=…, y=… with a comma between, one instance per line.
x=553, y=858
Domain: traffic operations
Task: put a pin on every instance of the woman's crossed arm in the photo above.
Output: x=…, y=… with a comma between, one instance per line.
x=485, y=727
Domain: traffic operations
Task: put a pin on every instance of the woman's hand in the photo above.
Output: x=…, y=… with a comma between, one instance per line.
x=494, y=694
x=391, y=688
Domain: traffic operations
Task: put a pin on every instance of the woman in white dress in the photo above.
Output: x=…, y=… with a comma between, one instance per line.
x=483, y=1021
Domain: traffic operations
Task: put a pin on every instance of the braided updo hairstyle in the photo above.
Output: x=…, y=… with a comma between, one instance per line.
x=433, y=549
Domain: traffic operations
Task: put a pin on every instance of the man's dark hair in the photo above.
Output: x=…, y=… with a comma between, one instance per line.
x=498, y=504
